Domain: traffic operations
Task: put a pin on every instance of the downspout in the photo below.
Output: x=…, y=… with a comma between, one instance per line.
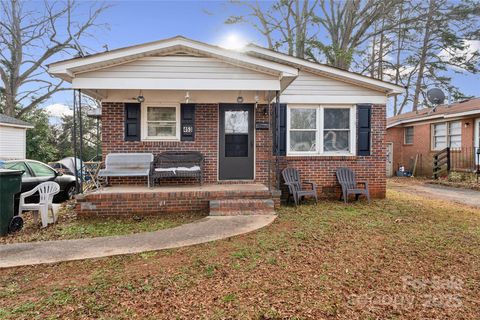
x=277, y=139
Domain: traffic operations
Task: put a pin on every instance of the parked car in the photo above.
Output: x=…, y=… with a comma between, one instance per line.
x=60, y=167
x=36, y=172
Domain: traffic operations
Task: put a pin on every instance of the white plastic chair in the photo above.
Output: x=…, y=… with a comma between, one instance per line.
x=46, y=190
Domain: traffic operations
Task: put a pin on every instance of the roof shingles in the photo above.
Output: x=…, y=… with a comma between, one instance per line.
x=470, y=105
x=4, y=119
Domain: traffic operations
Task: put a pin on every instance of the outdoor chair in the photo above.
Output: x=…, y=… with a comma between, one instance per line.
x=46, y=191
x=349, y=184
x=296, y=188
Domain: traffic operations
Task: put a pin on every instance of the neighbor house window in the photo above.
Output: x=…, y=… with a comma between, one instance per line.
x=455, y=134
x=161, y=122
x=409, y=135
x=447, y=134
x=326, y=130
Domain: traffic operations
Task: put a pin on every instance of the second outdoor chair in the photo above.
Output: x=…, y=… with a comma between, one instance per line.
x=295, y=185
x=349, y=184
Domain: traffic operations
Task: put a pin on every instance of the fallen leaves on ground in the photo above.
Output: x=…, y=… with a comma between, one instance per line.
x=404, y=257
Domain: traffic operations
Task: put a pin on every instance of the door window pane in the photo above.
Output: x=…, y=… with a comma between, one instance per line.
x=41, y=170
x=302, y=141
x=236, y=145
x=236, y=122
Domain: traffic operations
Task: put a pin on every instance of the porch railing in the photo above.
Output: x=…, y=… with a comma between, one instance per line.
x=441, y=162
x=465, y=159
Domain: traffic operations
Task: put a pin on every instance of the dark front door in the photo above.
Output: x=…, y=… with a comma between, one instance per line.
x=236, y=144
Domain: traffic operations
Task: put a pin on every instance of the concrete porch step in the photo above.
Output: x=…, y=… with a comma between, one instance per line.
x=237, y=207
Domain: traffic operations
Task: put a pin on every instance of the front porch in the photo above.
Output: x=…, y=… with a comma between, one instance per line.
x=216, y=199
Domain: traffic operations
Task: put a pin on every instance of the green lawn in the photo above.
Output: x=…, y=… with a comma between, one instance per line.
x=400, y=258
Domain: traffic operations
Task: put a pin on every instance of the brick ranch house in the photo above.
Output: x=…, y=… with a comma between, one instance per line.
x=423, y=134
x=251, y=113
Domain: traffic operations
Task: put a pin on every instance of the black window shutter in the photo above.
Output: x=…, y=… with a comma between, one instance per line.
x=132, y=121
x=187, y=123
x=283, y=129
x=364, y=114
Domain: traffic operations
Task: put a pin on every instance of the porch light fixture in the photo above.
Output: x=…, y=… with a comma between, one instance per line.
x=187, y=97
x=239, y=99
x=140, y=97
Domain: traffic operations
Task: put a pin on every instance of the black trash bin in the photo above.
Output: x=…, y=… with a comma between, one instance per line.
x=10, y=184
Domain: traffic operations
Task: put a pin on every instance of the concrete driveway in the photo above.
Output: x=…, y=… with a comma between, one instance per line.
x=457, y=195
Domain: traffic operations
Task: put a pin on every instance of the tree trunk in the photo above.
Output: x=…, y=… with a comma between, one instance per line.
x=423, y=55
x=400, y=35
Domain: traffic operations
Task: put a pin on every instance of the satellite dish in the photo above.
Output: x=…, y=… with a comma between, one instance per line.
x=436, y=96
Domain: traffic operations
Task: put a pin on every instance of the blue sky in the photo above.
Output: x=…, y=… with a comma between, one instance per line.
x=134, y=22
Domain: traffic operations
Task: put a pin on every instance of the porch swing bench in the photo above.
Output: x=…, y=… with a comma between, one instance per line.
x=178, y=164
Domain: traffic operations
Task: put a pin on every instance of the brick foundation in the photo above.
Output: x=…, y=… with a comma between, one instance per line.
x=157, y=203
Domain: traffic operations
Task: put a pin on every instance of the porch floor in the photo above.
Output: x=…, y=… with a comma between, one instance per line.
x=182, y=188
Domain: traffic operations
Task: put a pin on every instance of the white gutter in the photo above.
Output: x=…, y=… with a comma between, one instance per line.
x=15, y=125
x=460, y=114
x=442, y=116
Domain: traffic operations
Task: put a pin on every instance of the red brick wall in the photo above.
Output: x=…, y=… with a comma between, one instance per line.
x=206, y=141
x=368, y=168
x=404, y=154
x=316, y=168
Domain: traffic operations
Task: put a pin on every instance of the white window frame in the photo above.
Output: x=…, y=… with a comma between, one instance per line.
x=447, y=135
x=319, y=130
x=405, y=135
x=144, y=124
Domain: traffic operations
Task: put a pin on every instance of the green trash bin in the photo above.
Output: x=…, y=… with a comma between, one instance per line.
x=10, y=184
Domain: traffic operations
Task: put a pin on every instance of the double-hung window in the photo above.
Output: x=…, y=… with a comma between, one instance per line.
x=455, y=134
x=408, y=135
x=161, y=122
x=446, y=134
x=321, y=130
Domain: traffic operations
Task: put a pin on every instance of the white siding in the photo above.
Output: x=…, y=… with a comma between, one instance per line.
x=12, y=143
x=177, y=67
x=312, y=88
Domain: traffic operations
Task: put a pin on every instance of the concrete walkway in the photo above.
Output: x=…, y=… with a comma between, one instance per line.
x=458, y=195
x=204, y=230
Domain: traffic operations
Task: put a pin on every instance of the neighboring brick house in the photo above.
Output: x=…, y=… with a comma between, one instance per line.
x=250, y=112
x=422, y=134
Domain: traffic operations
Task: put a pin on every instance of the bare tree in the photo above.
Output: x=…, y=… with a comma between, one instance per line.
x=28, y=39
x=349, y=25
x=285, y=24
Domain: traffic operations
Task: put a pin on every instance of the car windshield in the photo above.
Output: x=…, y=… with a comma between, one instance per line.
x=18, y=166
x=41, y=170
